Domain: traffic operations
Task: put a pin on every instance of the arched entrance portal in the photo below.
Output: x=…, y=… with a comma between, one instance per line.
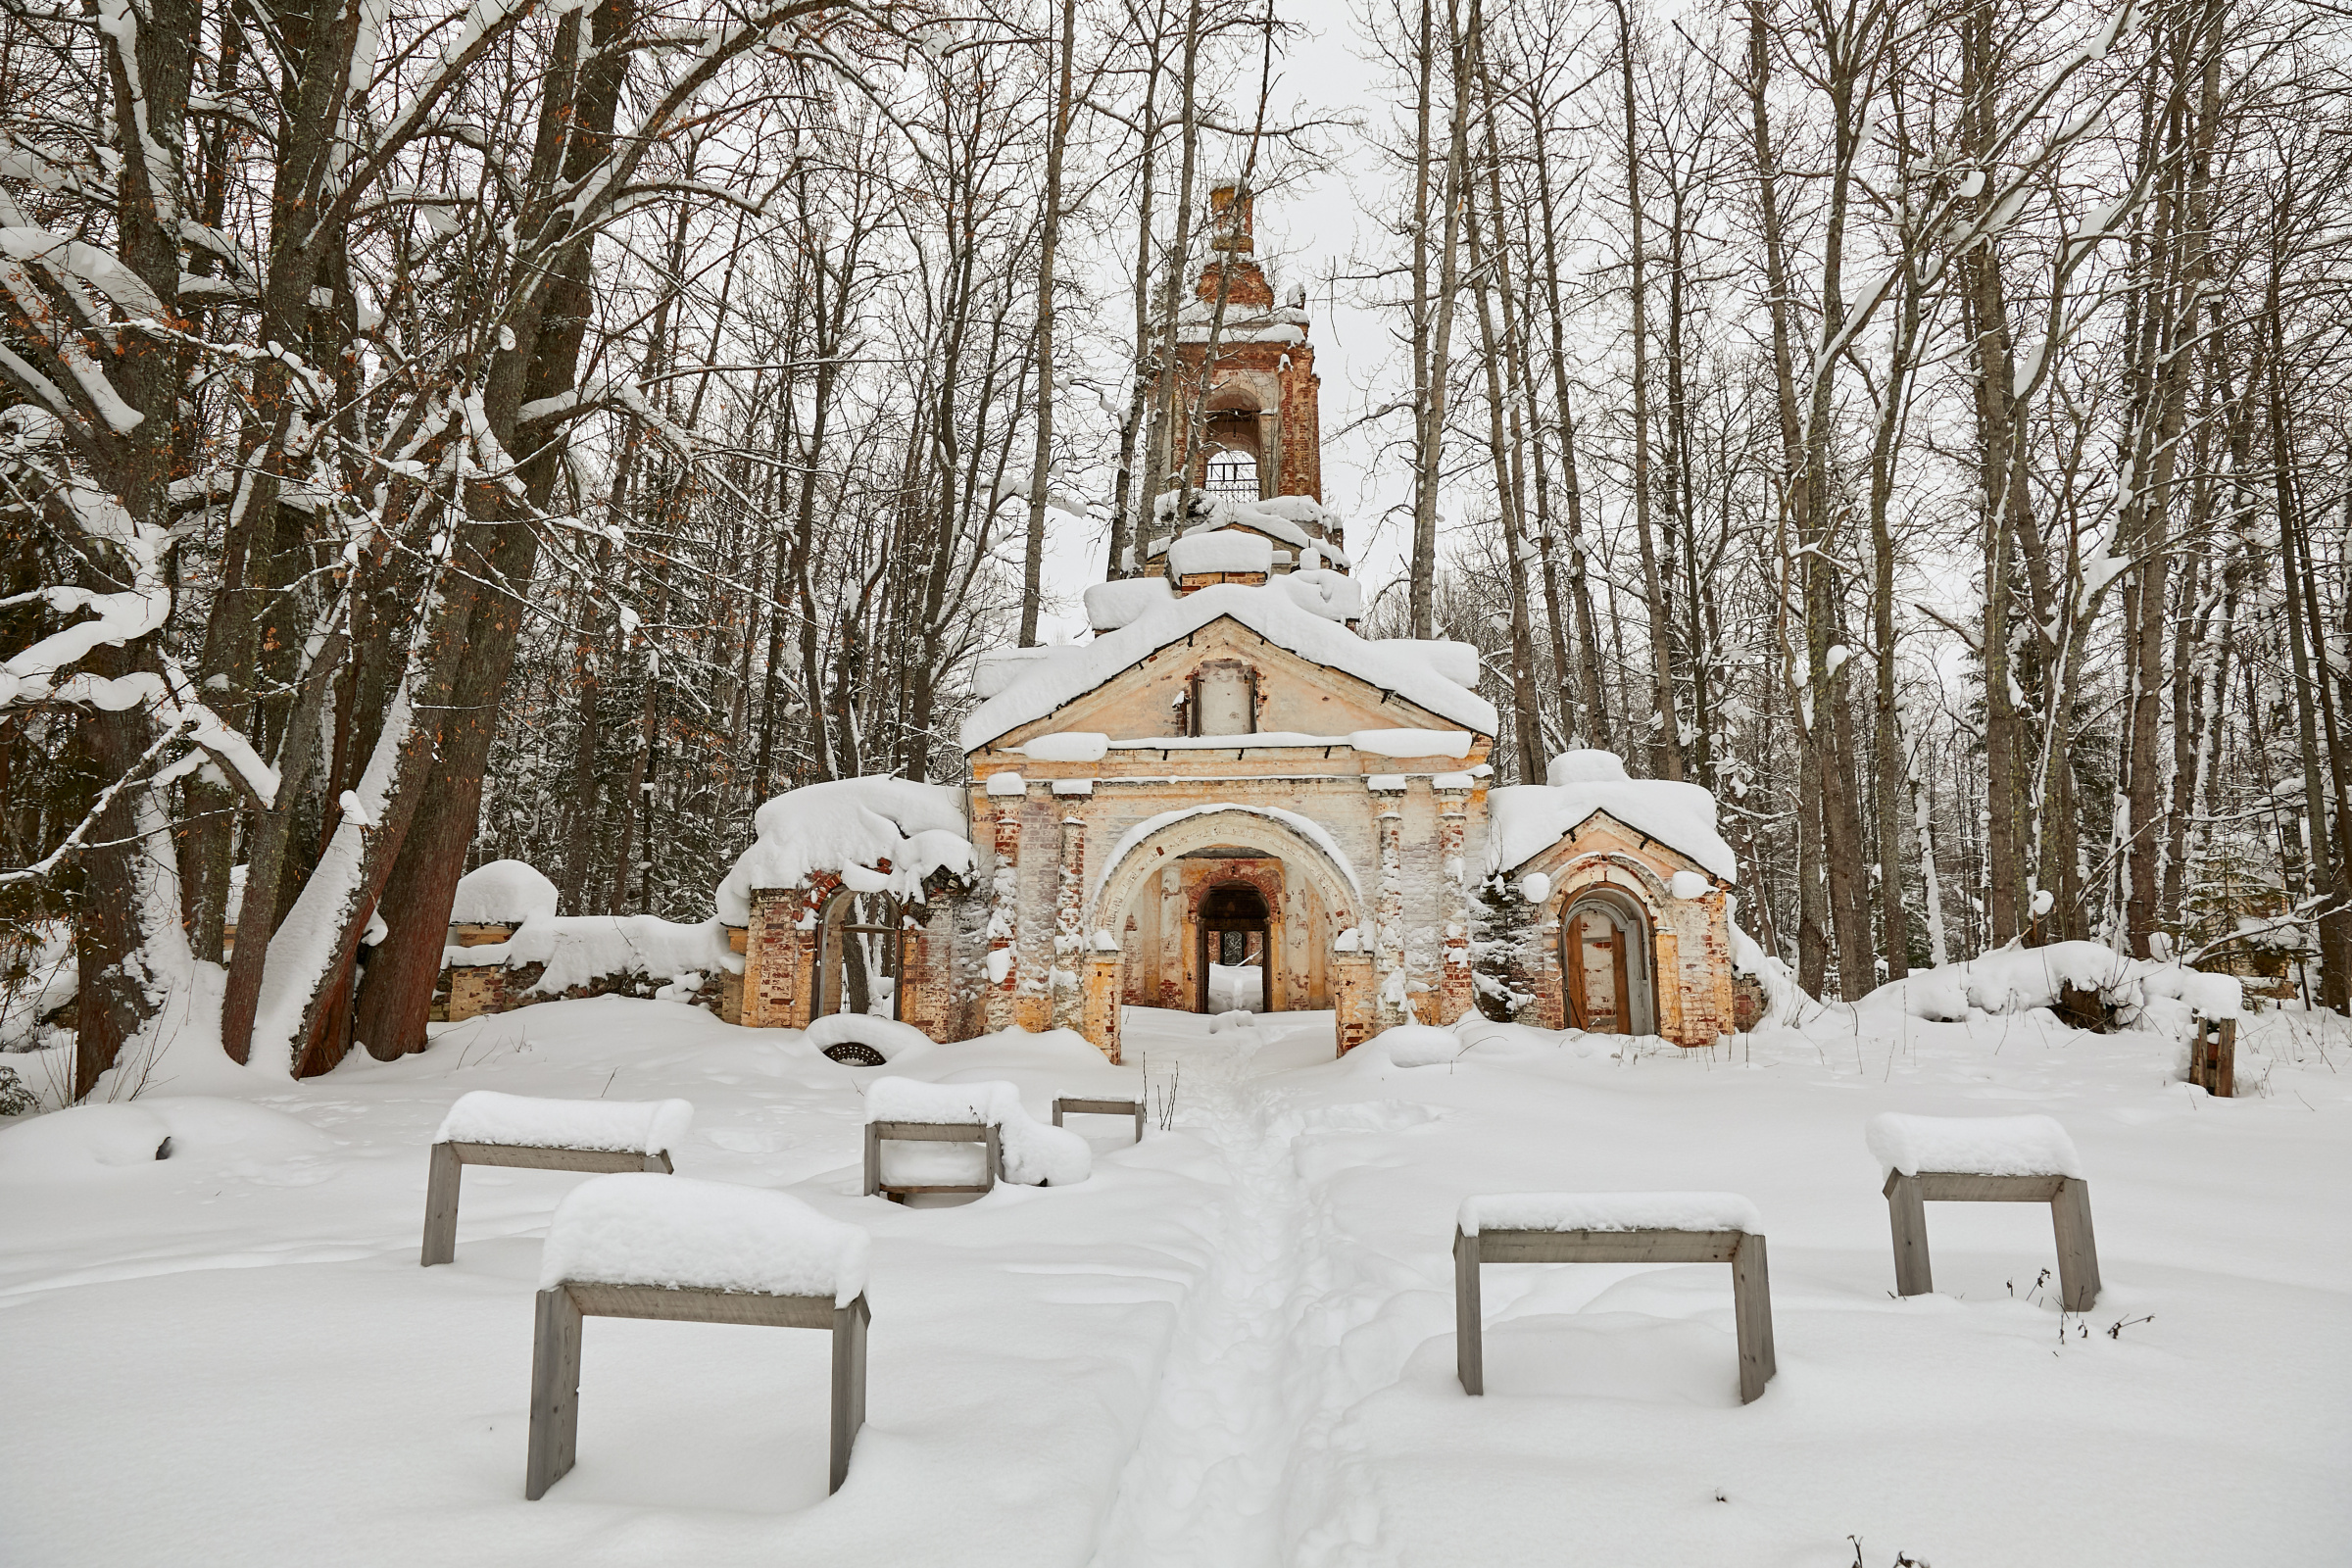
x=1606, y=955
x=1177, y=882
x=1233, y=919
x=860, y=951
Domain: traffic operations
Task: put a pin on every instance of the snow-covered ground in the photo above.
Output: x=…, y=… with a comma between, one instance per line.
x=1231, y=1346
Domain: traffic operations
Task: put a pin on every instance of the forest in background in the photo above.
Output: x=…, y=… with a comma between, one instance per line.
x=437, y=433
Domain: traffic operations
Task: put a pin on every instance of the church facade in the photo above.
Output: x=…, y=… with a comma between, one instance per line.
x=1231, y=797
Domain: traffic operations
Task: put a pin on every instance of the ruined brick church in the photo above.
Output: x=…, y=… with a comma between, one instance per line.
x=1230, y=795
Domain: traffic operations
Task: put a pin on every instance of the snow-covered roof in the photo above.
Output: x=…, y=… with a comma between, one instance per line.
x=1068, y=673
x=1108, y=607
x=1325, y=593
x=849, y=826
x=502, y=893
x=1526, y=820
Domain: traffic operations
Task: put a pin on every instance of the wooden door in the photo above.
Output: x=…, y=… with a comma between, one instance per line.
x=1597, y=981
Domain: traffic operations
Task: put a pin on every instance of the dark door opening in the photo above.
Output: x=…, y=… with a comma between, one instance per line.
x=1230, y=916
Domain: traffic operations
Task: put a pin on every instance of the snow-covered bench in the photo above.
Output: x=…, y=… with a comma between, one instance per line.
x=990, y=1114
x=1614, y=1228
x=485, y=1128
x=690, y=1251
x=1069, y=1105
x=1985, y=1159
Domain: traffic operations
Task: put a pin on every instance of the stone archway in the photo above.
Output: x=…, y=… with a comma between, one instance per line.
x=1305, y=851
x=1608, y=963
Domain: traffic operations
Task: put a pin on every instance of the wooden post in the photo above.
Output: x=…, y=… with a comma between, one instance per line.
x=2213, y=1057
x=1469, y=1346
x=1907, y=1215
x=441, y=1183
x=848, y=1382
x=554, y=1393
x=1751, y=1315
x=995, y=1153
x=874, y=1159
x=2077, y=1250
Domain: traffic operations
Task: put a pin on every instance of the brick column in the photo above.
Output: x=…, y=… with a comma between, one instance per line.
x=1070, y=943
x=1100, y=1011
x=1455, y=992
x=1387, y=913
x=1351, y=999
x=774, y=996
x=1175, y=942
x=1005, y=910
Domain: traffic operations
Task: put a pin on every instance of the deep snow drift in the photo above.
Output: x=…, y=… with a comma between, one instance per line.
x=1233, y=1344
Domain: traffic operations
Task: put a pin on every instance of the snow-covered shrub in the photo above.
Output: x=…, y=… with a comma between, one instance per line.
x=1418, y=1045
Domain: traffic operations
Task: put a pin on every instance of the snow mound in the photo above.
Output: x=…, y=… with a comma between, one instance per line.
x=1221, y=550
x=1036, y=1154
x=887, y=1036
x=1321, y=593
x=1232, y=1018
x=2144, y=992
x=1586, y=766
x=850, y=828
x=1121, y=602
x=686, y=1234
x=1526, y=820
x=1785, y=1001
x=1418, y=1045
x=1689, y=885
x=578, y=950
x=627, y=1126
x=502, y=893
x=1971, y=1146
x=1609, y=1212
x=81, y=1139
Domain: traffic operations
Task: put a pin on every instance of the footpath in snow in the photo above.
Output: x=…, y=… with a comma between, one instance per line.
x=1232, y=1345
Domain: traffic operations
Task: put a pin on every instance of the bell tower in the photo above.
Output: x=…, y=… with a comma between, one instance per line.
x=1262, y=434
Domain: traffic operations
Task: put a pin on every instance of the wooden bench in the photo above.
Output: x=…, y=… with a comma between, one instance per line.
x=878, y=1133
x=2069, y=1198
x=448, y=1170
x=1743, y=1249
x=720, y=1254
x=1100, y=1107
x=556, y=1358
x=1983, y=1159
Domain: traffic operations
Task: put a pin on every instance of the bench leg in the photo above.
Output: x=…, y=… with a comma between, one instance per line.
x=848, y=1382
x=1057, y=1113
x=2077, y=1250
x=873, y=1160
x=1907, y=1214
x=441, y=1206
x=554, y=1393
x=1751, y=1315
x=1139, y=1121
x=996, y=1157
x=1469, y=1345
x=659, y=1165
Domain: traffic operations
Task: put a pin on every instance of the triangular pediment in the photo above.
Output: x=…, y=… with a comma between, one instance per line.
x=1296, y=694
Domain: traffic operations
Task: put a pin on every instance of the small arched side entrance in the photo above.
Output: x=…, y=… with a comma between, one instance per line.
x=861, y=955
x=1608, y=959
x=1231, y=916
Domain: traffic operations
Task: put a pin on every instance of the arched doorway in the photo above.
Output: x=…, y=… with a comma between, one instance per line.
x=1233, y=919
x=1606, y=957
x=860, y=949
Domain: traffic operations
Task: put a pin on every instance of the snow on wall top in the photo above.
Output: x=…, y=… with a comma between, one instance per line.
x=1526, y=820
x=1068, y=673
x=1324, y=593
x=502, y=893
x=1221, y=550
x=713, y=1236
x=849, y=826
x=621, y=1126
x=1609, y=1212
x=579, y=948
x=1971, y=1146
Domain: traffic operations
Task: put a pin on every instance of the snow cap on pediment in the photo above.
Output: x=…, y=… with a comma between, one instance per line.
x=1526, y=819
x=1403, y=668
